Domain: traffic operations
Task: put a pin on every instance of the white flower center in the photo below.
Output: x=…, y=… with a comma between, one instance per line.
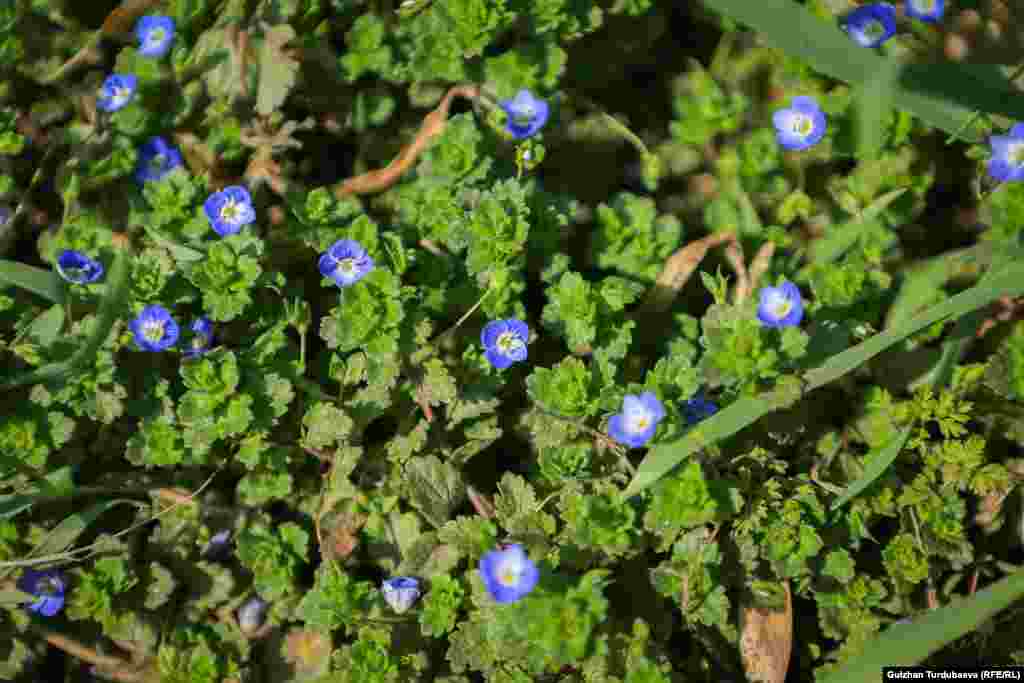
x=508, y=341
x=156, y=164
x=1015, y=154
x=153, y=330
x=508, y=577
x=873, y=29
x=155, y=37
x=347, y=266
x=639, y=423
x=801, y=125
x=923, y=5
x=120, y=95
x=230, y=212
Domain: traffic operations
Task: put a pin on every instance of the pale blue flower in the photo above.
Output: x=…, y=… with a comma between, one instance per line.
x=508, y=573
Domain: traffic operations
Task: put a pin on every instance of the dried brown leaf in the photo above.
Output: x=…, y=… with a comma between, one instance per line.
x=433, y=125
x=766, y=640
x=679, y=268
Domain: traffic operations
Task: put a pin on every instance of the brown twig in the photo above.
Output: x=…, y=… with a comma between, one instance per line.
x=433, y=125
x=1004, y=310
x=111, y=667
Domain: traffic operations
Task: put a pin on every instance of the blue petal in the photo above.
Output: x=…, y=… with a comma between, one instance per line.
x=498, y=359
x=652, y=405
x=492, y=331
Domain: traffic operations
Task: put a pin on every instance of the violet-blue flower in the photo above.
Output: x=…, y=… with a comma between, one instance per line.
x=155, y=33
x=871, y=25
x=508, y=573
x=504, y=342
x=699, y=408
x=154, y=329
x=638, y=421
x=202, y=338
x=251, y=613
x=525, y=114
x=346, y=262
x=156, y=159
x=926, y=10
x=116, y=92
x=229, y=210
x=76, y=267
x=1007, y=162
x=401, y=592
x=780, y=306
x=800, y=126
x=48, y=589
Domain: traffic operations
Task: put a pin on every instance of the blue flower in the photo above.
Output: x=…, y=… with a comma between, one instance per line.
x=251, y=613
x=505, y=342
x=508, y=573
x=800, y=126
x=780, y=306
x=638, y=421
x=699, y=408
x=202, y=338
x=229, y=210
x=401, y=592
x=76, y=267
x=871, y=25
x=154, y=329
x=526, y=114
x=1007, y=162
x=48, y=589
x=346, y=262
x=926, y=10
x=156, y=159
x=155, y=33
x=116, y=91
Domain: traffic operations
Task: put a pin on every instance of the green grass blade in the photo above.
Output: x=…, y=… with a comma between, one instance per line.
x=1009, y=281
x=911, y=643
x=45, y=283
x=943, y=95
x=56, y=483
x=118, y=282
x=841, y=238
x=71, y=527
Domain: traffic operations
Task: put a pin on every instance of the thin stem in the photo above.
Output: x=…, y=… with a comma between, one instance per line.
x=465, y=316
x=113, y=667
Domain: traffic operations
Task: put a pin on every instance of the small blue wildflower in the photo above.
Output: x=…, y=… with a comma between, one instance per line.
x=871, y=25
x=638, y=421
x=699, y=408
x=154, y=329
x=76, y=267
x=1007, y=162
x=508, y=573
x=251, y=613
x=219, y=546
x=800, y=126
x=202, y=338
x=48, y=589
x=346, y=262
x=401, y=592
x=116, y=91
x=504, y=342
x=229, y=210
x=926, y=10
x=155, y=33
x=780, y=306
x=156, y=159
x=526, y=114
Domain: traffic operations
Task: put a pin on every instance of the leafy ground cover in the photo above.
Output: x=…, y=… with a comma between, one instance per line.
x=509, y=340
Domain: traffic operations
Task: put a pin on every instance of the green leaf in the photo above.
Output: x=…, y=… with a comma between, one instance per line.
x=435, y=488
x=841, y=238
x=14, y=597
x=872, y=106
x=278, y=70
x=118, y=283
x=64, y=534
x=56, y=483
x=46, y=328
x=1008, y=281
x=944, y=95
x=910, y=643
x=45, y=283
